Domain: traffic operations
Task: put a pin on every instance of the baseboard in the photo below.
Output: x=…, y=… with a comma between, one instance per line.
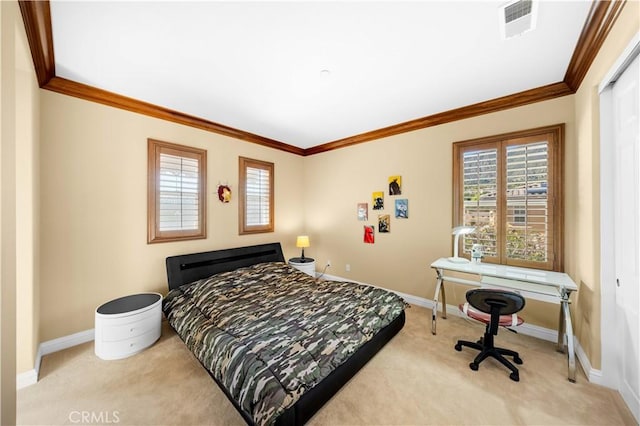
x=541, y=333
x=594, y=376
x=30, y=377
x=526, y=329
x=65, y=342
x=415, y=300
x=27, y=378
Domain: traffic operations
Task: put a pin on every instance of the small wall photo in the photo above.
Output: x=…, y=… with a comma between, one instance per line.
x=363, y=211
x=402, y=208
x=378, y=200
x=384, y=223
x=395, y=185
x=369, y=234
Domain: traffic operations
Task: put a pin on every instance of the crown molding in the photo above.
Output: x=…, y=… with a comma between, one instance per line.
x=37, y=22
x=600, y=20
x=93, y=94
x=538, y=94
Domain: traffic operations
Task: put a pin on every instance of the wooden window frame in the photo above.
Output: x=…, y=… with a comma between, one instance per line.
x=154, y=149
x=555, y=190
x=243, y=164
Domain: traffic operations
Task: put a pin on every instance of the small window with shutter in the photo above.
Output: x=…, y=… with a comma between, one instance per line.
x=509, y=187
x=256, y=196
x=176, y=194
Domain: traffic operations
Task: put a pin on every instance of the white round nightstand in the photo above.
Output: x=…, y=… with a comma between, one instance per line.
x=127, y=325
x=308, y=266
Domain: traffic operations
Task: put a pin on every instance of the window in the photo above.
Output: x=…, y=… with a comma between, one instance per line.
x=177, y=187
x=510, y=188
x=519, y=215
x=256, y=196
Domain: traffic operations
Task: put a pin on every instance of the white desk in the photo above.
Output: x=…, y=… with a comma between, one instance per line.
x=547, y=286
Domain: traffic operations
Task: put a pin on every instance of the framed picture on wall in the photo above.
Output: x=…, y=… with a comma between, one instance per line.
x=395, y=185
x=363, y=211
x=369, y=234
x=378, y=200
x=402, y=208
x=384, y=223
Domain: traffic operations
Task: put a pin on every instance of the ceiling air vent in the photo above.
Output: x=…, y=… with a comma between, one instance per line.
x=517, y=17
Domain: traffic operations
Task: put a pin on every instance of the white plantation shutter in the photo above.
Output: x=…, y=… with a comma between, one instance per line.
x=256, y=196
x=480, y=186
x=178, y=193
x=177, y=188
x=527, y=202
x=257, y=199
x=509, y=188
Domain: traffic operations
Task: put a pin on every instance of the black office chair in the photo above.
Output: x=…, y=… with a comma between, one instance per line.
x=494, y=308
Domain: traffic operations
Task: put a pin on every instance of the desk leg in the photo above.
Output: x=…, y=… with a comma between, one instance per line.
x=569, y=333
x=434, y=312
x=561, y=330
x=444, y=301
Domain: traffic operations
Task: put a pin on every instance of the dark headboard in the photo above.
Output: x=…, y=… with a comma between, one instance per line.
x=188, y=268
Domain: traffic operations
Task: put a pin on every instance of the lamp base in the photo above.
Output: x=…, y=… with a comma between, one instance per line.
x=457, y=259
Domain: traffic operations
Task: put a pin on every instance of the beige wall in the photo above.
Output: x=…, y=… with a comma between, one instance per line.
x=337, y=180
x=19, y=141
x=586, y=266
x=94, y=206
x=27, y=206
x=7, y=217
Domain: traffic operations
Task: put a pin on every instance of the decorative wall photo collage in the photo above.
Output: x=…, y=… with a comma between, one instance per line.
x=399, y=205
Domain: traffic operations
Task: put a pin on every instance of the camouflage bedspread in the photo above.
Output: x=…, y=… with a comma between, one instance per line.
x=269, y=332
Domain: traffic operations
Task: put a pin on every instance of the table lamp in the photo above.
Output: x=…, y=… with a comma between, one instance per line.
x=457, y=231
x=302, y=241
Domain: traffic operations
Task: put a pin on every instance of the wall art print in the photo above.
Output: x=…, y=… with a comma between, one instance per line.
x=224, y=193
x=402, y=208
x=369, y=234
x=363, y=211
x=378, y=200
x=395, y=185
x=384, y=223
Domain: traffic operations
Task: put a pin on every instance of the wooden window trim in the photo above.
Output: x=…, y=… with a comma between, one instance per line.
x=154, y=149
x=243, y=164
x=555, y=189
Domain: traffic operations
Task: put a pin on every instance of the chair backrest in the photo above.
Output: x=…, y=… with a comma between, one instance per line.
x=506, y=302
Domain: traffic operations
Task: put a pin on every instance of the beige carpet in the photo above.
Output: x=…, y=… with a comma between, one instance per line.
x=416, y=379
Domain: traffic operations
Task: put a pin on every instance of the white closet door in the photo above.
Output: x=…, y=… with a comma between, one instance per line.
x=626, y=97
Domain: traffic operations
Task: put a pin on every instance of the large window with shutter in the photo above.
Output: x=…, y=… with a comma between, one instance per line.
x=509, y=187
x=176, y=194
x=256, y=196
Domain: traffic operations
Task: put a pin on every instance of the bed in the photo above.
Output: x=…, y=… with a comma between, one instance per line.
x=278, y=342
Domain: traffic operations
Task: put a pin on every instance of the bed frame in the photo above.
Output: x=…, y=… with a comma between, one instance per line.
x=188, y=268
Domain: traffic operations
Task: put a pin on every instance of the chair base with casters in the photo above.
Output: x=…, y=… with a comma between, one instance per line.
x=494, y=308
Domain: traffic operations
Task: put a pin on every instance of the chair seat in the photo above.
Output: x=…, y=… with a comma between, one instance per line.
x=505, y=320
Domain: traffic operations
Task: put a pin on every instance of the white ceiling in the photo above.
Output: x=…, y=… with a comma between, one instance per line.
x=258, y=66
